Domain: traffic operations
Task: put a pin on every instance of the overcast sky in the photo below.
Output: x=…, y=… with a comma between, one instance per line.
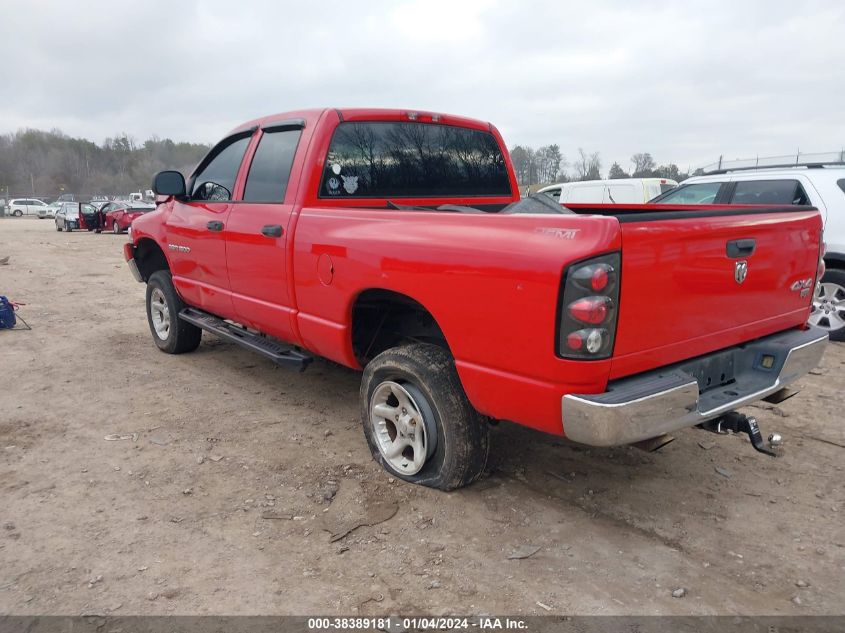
x=685, y=81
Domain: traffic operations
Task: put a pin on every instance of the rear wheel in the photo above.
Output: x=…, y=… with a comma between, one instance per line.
x=170, y=333
x=417, y=420
x=115, y=227
x=17, y=213
x=829, y=304
x=58, y=228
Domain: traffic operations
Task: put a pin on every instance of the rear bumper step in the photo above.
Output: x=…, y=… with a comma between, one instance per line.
x=671, y=398
x=278, y=352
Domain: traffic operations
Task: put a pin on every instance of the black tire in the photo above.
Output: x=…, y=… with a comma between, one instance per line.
x=835, y=276
x=58, y=228
x=67, y=228
x=18, y=213
x=462, y=434
x=115, y=227
x=182, y=336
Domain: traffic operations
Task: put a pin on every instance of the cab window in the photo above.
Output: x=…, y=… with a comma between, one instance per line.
x=698, y=193
x=553, y=193
x=769, y=192
x=269, y=172
x=215, y=179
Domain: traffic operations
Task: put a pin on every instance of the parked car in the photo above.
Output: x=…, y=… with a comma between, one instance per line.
x=118, y=216
x=822, y=186
x=67, y=217
x=49, y=211
x=19, y=207
x=616, y=191
x=323, y=233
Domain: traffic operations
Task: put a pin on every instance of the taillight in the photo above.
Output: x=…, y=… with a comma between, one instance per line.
x=589, y=306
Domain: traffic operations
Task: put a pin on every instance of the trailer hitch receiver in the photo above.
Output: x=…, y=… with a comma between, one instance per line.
x=739, y=423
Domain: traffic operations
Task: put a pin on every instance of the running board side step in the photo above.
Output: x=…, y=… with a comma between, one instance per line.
x=278, y=352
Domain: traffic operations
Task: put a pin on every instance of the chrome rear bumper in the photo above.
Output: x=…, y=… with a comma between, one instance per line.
x=670, y=398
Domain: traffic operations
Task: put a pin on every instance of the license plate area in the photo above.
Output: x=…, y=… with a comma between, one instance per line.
x=715, y=370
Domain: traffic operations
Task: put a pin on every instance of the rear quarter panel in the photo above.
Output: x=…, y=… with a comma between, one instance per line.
x=491, y=281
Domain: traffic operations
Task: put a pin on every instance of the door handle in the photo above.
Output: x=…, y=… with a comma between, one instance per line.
x=215, y=225
x=741, y=248
x=272, y=230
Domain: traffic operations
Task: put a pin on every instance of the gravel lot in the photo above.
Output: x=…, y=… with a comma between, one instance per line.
x=134, y=482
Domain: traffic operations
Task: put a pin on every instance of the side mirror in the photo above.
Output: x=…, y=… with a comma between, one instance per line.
x=169, y=183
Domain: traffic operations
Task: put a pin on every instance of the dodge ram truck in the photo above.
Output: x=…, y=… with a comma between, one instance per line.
x=396, y=242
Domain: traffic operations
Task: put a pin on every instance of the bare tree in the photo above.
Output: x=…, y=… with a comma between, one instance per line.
x=587, y=166
x=643, y=165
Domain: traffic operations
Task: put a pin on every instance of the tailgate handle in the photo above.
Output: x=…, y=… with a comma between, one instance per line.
x=741, y=248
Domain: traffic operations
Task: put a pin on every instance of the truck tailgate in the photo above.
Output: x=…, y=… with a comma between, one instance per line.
x=690, y=283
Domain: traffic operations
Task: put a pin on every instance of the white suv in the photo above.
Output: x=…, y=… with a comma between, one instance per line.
x=820, y=185
x=25, y=206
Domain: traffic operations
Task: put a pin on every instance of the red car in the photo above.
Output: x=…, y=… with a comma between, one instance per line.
x=396, y=242
x=118, y=216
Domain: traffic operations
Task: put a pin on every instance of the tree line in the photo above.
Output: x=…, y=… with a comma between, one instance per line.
x=37, y=162
x=47, y=163
x=547, y=165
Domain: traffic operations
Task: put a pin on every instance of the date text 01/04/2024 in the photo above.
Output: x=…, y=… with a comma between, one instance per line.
x=417, y=623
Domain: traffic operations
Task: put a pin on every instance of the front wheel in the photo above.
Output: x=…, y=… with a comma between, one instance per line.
x=170, y=333
x=418, y=422
x=829, y=304
x=115, y=227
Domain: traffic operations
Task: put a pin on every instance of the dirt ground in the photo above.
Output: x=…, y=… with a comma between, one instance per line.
x=235, y=480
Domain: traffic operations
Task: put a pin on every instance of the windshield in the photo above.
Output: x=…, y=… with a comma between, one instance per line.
x=71, y=211
x=699, y=193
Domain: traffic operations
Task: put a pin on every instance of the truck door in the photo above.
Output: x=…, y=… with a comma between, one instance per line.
x=258, y=237
x=195, y=228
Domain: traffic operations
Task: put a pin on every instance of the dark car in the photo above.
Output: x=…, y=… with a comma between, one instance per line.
x=67, y=217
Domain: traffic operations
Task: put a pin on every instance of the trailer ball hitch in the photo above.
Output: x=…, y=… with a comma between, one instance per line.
x=739, y=423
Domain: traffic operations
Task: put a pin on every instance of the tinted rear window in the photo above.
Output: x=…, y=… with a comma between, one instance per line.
x=769, y=192
x=401, y=160
x=270, y=169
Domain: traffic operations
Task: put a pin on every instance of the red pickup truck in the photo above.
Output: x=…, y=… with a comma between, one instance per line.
x=396, y=242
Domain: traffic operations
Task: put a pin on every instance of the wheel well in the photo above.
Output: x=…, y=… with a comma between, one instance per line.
x=382, y=319
x=149, y=258
x=834, y=260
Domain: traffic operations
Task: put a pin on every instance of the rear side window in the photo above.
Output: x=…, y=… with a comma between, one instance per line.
x=408, y=159
x=270, y=169
x=216, y=178
x=841, y=183
x=554, y=194
x=699, y=193
x=769, y=192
